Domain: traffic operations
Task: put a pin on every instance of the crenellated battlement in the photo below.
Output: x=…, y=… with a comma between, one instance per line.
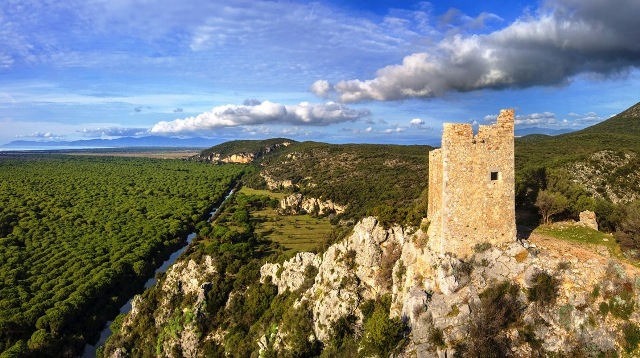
x=471, y=186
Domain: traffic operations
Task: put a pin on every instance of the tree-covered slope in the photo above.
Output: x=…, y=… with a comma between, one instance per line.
x=80, y=235
x=250, y=149
x=385, y=179
x=618, y=133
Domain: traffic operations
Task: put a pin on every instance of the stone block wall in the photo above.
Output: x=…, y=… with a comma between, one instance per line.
x=471, y=187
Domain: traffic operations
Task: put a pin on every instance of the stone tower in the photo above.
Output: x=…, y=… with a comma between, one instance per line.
x=471, y=187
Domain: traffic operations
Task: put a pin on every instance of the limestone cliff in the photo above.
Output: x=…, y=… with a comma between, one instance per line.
x=441, y=293
x=533, y=298
x=299, y=204
x=185, y=280
x=242, y=151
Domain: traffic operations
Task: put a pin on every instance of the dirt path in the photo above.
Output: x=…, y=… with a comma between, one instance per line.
x=583, y=252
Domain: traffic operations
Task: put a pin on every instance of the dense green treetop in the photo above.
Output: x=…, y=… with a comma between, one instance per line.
x=77, y=232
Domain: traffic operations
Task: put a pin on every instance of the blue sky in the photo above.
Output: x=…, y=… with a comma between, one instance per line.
x=337, y=71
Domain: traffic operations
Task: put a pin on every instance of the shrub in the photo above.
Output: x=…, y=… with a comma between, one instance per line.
x=529, y=336
x=609, y=215
x=310, y=273
x=622, y=306
x=563, y=265
x=341, y=330
x=628, y=234
x=603, y=309
x=350, y=259
x=388, y=260
x=382, y=335
x=297, y=324
x=499, y=309
x=421, y=240
x=631, y=333
x=544, y=289
x=521, y=256
x=565, y=315
x=482, y=247
x=402, y=269
x=436, y=337
x=425, y=227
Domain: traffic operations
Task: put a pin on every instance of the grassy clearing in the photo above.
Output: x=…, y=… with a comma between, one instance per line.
x=249, y=191
x=581, y=234
x=295, y=232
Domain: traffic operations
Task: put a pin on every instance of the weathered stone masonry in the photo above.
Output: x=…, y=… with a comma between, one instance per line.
x=471, y=187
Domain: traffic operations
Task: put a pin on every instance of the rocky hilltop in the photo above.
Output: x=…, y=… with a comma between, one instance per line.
x=242, y=151
x=530, y=298
x=547, y=301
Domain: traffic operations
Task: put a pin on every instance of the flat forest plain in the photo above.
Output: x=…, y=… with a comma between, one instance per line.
x=80, y=234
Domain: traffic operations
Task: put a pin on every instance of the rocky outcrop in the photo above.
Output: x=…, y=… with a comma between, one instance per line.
x=443, y=293
x=349, y=272
x=562, y=295
x=292, y=273
x=298, y=204
x=184, y=278
x=241, y=158
x=588, y=219
x=274, y=184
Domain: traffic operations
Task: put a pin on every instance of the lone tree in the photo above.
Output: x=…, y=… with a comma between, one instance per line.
x=550, y=203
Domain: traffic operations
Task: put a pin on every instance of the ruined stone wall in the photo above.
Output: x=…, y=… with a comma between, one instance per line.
x=435, y=182
x=474, y=195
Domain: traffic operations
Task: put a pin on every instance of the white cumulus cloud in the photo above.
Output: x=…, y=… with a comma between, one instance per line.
x=257, y=113
x=416, y=122
x=544, y=118
x=564, y=39
x=321, y=88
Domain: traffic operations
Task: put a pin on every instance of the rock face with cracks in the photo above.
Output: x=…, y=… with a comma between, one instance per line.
x=551, y=298
x=297, y=204
x=436, y=292
x=184, y=278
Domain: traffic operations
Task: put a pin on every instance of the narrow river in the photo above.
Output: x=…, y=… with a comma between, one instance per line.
x=89, y=350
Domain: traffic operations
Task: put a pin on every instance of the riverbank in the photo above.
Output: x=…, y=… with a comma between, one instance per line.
x=90, y=350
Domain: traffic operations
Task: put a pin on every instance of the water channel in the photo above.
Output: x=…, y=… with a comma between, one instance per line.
x=90, y=350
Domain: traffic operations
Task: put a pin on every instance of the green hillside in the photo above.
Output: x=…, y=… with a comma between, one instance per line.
x=381, y=179
x=257, y=148
x=618, y=133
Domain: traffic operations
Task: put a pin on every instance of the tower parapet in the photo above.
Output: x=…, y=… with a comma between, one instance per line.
x=472, y=187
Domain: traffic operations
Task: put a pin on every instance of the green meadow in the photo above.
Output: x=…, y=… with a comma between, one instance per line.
x=295, y=232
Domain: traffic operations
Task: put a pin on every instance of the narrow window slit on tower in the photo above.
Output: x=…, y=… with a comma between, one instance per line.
x=495, y=175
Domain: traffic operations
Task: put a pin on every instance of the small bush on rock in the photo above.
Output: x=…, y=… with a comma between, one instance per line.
x=482, y=247
x=631, y=333
x=382, y=335
x=499, y=310
x=436, y=337
x=544, y=289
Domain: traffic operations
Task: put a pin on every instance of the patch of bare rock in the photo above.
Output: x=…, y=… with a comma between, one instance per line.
x=442, y=293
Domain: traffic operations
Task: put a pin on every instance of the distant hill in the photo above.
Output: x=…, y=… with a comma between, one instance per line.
x=360, y=176
x=542, y=131
x=366, y=177
x=604, y=158
x=243, y=151
x=620, y=132
x=148, y=141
